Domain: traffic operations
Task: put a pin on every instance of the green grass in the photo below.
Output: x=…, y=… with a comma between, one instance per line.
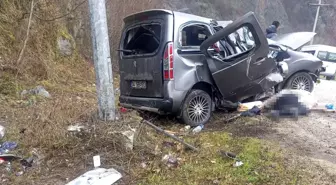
x=263, y=163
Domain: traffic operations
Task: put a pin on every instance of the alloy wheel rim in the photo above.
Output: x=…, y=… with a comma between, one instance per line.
x=198, y=109
x=301, y=83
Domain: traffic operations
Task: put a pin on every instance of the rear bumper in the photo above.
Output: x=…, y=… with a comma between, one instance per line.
x=156, y=105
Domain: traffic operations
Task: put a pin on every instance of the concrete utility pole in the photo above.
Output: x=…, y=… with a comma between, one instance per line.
x=317, y=15
x=102, y=60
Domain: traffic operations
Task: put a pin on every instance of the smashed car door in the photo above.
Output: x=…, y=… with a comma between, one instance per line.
x=244, y=62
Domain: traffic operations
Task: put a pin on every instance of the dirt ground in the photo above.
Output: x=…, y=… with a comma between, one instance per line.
x=312, y=138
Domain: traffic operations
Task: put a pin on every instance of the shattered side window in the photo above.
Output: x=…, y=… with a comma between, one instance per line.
x=193, y=35
x=242, y=40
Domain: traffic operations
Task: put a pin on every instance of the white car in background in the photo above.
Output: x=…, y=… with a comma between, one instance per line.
x=327, y=54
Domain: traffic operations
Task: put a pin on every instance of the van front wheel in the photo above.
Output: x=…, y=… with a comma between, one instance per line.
x=196, y=109
x=301, y=81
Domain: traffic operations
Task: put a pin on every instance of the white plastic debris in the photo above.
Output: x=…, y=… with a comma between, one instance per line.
x=2, y=131
x=98, y=176
x=238, y=163
x=75, y=128
x=96, y=161
x=198, y=129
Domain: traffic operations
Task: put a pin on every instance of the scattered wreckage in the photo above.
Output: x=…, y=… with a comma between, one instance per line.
x=186, y=65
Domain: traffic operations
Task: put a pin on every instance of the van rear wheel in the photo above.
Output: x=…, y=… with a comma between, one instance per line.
x=196, y=109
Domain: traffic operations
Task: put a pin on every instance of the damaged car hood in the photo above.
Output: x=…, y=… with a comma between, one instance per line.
x=293, y=40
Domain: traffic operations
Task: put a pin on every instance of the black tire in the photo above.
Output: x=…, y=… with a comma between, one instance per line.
x=202, y=116
x=307, y=82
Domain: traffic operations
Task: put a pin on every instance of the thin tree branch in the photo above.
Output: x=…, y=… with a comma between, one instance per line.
x=27, y=35
x=61, y=16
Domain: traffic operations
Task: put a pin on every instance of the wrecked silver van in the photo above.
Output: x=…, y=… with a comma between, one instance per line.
x=185, y=65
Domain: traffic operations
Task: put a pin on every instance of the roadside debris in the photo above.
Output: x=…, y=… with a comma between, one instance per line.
x=96, y=161
x=123, y=110
x=247, y=106
x=98, y=176
x=171, y=161
x=75, y=128
x=328, y=106
x=251, y=112
x=8, y=159
x=198, y=129
x=169, y=135
x=39, y=90
x=238, y=163
x=7, y=147
x=143, y=165
x=255, y=111
x=187, y=128
x=228, y=154
x=233, y=156
x=19, y=173
x=8, y=167
x=2, y=131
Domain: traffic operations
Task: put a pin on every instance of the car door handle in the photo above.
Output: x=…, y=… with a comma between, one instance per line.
x=259, y=61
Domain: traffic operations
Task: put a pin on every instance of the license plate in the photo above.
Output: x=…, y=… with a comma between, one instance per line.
x=138, y=84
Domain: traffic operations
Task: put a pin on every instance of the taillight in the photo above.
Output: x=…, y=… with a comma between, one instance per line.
x=168, y=62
